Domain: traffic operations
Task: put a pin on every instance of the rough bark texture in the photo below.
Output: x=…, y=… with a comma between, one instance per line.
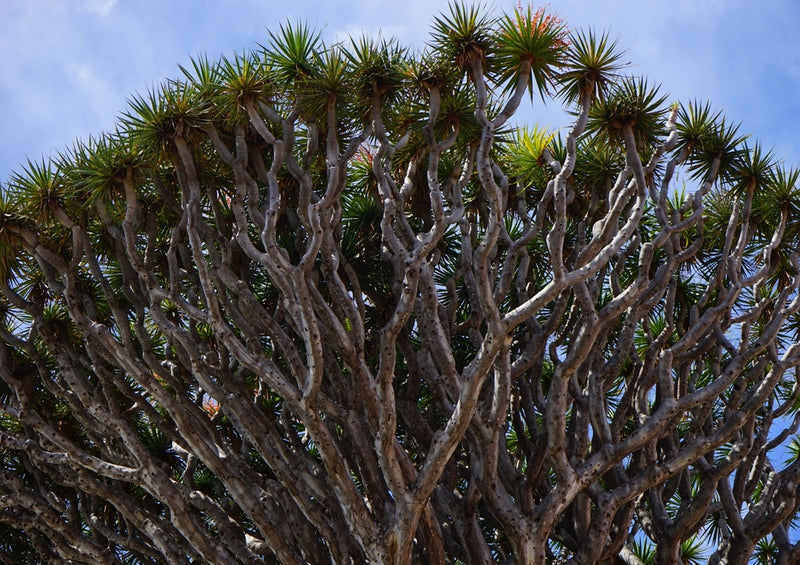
x=317, y=306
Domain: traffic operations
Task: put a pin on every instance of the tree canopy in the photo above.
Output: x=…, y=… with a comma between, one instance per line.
x=333, y=303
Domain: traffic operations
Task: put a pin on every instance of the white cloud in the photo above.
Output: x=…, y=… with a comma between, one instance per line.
x=96, y=92
x=100, y=8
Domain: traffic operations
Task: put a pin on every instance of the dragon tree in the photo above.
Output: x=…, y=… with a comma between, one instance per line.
x=337, y=303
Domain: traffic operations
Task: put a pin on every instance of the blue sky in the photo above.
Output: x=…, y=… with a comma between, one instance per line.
x=67, y=66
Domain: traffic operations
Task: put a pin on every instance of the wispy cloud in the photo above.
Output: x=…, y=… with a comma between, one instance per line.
x=100, y=96
x=100, y=8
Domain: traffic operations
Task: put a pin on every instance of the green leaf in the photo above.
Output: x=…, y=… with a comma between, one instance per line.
x=634, y=104
x=710, y=141
x=464, y=35
x=292, y=52
x=591, y=66
x=39, y=189
x=534, y=37
x=173, y=109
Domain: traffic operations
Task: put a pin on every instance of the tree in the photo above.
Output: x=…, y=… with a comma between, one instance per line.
x=326, y=303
